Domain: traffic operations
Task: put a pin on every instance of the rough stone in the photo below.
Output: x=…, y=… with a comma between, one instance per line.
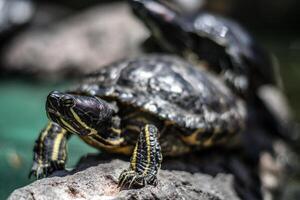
x=14, y=13
x=100, y=182
x=77, y=44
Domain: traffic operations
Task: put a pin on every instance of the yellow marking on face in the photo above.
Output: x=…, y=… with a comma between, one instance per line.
x=68, y=125
x=91, y=141
x=41, y=142
x=113, y=142
x=77, y=118
x=147, y=136
x=56, y=144
x=126, y=150
x=193, y=138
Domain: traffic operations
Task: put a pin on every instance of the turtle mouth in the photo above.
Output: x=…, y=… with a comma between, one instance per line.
x=53, y=112
x=51, y=109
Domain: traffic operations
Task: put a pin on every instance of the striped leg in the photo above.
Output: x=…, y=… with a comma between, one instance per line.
x=49, y=151
x=145, y=161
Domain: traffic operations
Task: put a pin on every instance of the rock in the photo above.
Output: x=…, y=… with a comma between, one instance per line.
x=49, y=13
x=13, y=14
x=77, y=44
x=100, y=182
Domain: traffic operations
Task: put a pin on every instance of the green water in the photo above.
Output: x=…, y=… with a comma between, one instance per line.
x=22, y=112
x=22, y=117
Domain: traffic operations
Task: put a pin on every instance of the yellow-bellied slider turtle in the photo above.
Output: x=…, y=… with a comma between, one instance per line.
x=223, y=44
x=144, y=107
x=228, y=49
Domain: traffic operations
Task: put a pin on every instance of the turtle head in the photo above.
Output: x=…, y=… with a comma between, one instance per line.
x=165, y=23
x=83, y=115
x=152, y=10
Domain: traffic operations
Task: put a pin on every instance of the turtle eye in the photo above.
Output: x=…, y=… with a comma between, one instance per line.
x=67, y=101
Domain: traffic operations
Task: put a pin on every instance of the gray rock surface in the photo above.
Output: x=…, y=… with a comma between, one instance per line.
x=77, y=44
x=14, y=13
x=100, y=182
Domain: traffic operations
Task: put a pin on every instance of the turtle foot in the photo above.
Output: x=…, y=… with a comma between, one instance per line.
x=42, y=170
x=130, y=179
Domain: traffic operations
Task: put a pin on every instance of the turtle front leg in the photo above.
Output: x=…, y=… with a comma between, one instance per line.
x=49, y=151
x=145, y=161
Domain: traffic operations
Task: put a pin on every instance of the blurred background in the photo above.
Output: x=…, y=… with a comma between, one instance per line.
x=46, y=45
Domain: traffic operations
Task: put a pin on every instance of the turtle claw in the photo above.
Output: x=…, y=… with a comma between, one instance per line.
x=44, y=170
x=39, y=170
x=130, y=179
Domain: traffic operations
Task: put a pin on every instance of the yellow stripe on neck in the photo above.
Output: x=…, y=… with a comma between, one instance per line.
x=113, y=142
x=68, y=125
x=42, y=138
x=133, y=158
x=147, y=137
x=77, y=118
x=56, y=145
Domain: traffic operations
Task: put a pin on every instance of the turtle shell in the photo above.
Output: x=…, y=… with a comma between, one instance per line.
x=221, y=42
x=244, y=52
x=167, y=87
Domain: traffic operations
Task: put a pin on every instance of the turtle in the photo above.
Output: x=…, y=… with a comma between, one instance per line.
x=225, y=46
x=147, y=107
